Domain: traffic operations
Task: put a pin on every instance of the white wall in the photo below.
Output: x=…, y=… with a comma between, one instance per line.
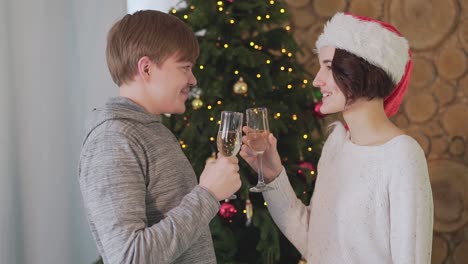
x=52, y=72
x=161, y=5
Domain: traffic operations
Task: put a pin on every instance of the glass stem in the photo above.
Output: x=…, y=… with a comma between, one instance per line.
x=261, y=181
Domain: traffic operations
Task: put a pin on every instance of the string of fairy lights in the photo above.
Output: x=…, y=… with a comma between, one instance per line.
x=241, y=87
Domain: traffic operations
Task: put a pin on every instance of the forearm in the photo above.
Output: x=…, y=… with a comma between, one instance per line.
x=130, y=240
x=288, y=212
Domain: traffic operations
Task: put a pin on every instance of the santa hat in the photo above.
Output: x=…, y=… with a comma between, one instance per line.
x=379, y=43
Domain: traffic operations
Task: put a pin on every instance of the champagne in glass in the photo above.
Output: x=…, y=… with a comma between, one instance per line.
x=230, y=135
x=257, y=139
x=228, y=142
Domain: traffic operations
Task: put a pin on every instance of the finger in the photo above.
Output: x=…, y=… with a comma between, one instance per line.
x=244, y=140
x=272, y=140
x=233, y=160
x=246, y=129
x=247, y=151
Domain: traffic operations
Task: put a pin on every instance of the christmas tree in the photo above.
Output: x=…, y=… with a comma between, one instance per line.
x=248, y=58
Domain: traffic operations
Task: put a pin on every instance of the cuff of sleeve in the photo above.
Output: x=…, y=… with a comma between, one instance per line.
x=281, y=186
x=210, y=202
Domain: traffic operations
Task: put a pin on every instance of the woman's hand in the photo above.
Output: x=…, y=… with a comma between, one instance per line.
x=271, y=160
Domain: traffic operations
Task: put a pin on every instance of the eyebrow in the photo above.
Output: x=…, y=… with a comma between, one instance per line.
x=326, y=61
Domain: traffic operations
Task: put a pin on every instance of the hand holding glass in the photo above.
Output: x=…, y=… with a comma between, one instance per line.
x=257, y=139
x=230, y=135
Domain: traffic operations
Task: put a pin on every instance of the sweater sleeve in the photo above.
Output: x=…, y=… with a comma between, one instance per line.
x=288, y=212
x=411, y=208
x=112, y=181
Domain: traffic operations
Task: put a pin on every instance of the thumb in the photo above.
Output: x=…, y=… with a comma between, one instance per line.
x=272, y=140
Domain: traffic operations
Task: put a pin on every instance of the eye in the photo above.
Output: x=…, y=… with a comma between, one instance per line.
x=187, y=67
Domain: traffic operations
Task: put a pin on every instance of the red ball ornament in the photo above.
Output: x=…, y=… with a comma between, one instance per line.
x=317, y=112
x=304, y=165
x=227, y=210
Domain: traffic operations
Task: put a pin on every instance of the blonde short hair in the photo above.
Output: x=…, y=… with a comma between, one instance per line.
x=147, y=33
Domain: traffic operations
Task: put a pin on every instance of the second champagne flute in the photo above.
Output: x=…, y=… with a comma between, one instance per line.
x=230, y=135
x=257, y=139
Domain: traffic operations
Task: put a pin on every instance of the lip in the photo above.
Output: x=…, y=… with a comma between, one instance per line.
x=325, y=94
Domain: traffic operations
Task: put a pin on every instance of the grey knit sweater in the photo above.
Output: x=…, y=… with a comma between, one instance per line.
x=140, y=192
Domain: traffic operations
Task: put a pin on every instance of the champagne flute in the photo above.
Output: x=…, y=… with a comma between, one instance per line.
x=257, y=139
x=230, y=135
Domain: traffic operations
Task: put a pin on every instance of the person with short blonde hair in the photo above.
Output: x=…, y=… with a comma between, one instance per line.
x=140, y=192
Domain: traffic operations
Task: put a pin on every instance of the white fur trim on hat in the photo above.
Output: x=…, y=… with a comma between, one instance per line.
x=369, y=40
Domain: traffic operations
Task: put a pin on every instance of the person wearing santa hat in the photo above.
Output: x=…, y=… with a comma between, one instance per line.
x=372, y=201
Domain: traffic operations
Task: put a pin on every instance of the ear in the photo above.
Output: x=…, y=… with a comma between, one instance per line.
x=144, y=68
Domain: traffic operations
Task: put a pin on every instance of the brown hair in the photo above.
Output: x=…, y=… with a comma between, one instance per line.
x=147, y=33
x=357, y=78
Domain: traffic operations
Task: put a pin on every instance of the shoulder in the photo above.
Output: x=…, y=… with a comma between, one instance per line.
x=403, y=147
x=407, y=160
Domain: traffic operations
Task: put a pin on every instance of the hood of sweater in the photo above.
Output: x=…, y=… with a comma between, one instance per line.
x=119, y=108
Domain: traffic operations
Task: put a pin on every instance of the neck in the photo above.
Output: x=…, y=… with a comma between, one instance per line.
x=368, y=124
x=136, y=92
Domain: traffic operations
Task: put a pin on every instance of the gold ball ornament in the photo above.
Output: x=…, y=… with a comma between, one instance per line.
x=240, y=87
x=197, y=103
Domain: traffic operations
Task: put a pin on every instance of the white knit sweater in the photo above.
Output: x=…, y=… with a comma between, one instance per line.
x=370, y=204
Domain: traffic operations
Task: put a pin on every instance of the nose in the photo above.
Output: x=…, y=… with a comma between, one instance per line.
x=318, y=80
x=192, y=80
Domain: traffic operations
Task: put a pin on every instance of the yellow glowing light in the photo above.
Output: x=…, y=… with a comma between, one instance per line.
x=211, y=138
x=305, y=81
x=288, y=28
x=220, y=3
x=202, y=67
x=290, y=70
x=181, y=142
x=289, y=54
x=259, y=75
x=244, y=211
x=184, y=146
x=272, y=2
x=236, y=72
x=282, y=10
x=232, y=21
x=312, y=172
x=289, y=86
x=282, y=68
x=219, y=102
x=173, y=11
x=209, y=107
x=267, y=16
x=305, y=136
x=219, y=122
x=283, y=50
x=220, y=9
x=256, y=47
x=226, y=46
x=278, y=114
x=259, y=18
x=185, y=16
x=265, y=203
x=192, y=7
x=211, y=118
x=309, y=149
x=294, y=117
x=268, y=61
